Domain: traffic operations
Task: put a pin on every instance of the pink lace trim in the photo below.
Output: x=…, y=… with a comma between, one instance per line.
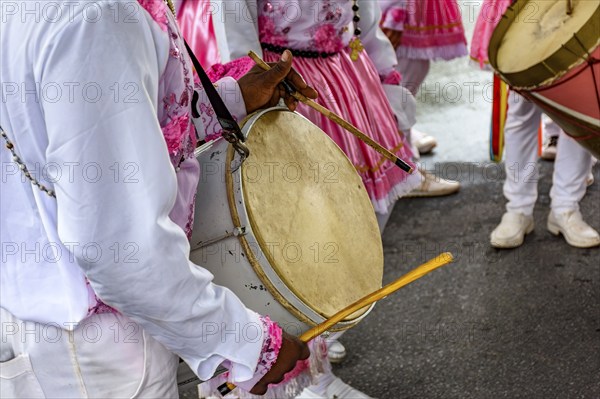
x=268, y=356
x=236, y=69
x=96, y=305
x=271, y=345
x=393, y=78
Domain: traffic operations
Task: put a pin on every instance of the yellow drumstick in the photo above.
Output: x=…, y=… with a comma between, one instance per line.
x=337, y=119
x=435, y=263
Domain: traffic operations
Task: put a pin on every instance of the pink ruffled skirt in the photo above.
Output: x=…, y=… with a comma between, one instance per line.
x=433, y=29
x=489, y=16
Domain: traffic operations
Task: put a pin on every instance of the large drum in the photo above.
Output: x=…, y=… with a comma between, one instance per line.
x=292, y=231
x=549, y=51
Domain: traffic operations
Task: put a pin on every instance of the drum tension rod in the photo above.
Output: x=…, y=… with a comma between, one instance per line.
x=237, y=232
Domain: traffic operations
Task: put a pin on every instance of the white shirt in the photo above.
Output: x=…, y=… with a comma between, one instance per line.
x=81, y=89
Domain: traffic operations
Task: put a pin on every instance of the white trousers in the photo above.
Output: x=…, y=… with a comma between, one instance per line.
x=413, y=73
x=105, y=356
x=571, y=166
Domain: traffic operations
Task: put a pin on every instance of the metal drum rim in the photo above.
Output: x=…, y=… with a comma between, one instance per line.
x=238, y=212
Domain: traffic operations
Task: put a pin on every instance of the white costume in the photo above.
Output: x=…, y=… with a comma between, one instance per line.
x=571, y=168
x=86, y=91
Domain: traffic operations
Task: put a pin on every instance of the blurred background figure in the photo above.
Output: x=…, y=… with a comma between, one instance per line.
x=422, y=31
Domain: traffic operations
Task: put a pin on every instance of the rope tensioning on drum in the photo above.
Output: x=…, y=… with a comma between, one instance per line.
x=426, y=268
x=291, y=90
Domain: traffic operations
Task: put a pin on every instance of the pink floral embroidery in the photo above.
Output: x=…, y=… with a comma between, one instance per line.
x=327, y=39
x=175, y=130
x=268, y=33
x=158, y=10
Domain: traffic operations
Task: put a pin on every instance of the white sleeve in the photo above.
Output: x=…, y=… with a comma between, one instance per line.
x=376, y=43
x=117, y=212
x=236, y=28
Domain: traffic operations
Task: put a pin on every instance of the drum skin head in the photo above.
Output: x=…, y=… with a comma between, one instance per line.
x=536, y=42
x=540, y=30
x=310, y=213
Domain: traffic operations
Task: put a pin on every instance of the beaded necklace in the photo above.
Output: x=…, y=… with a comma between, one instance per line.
x=355, y=44
x=16, y=159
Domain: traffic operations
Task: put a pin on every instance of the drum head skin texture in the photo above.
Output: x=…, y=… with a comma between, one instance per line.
x=310, y=213
x=542, y=27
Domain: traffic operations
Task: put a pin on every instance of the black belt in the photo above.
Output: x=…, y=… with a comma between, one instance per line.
x=297, y=53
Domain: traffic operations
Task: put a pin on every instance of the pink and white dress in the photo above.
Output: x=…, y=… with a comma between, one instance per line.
x=432, y=29
x=489, y=17
x=319, y=34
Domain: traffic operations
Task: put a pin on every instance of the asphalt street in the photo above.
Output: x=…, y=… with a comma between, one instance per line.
x=522, y=323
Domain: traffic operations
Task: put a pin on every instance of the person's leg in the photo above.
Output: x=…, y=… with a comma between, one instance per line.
x=551, y=131
x=413, y=73
x=106, y=355
x=571, y=170
x=520, y=186
x=520, y=155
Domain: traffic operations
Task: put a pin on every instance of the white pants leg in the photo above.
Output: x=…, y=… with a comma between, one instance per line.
x=520, y=154
x=413, y=73
x=105, y=356
x=551, y=129
x=571, y=169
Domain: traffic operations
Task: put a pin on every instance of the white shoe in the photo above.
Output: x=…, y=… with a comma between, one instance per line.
x=433, y=186
x=336, y=352
x=576, y=231
x=511, y=231
x=339, y=389
x=549, y=148
x=422, y=141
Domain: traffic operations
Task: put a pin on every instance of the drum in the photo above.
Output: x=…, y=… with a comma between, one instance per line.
x=549, y=51
x=292, y=230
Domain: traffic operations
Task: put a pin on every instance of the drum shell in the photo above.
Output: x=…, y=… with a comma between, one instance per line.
x=228, y=253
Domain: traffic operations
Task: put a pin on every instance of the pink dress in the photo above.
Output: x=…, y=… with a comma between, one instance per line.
x=489, y=16
x=320, y=32
x=196, y=25
x=432, y=29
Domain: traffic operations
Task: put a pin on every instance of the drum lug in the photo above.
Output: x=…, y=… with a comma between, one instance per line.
x=239, y=231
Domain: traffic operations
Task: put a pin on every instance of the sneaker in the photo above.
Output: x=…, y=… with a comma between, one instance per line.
x=549, y=148
x=511, y=231
x=336, y=352
x=433, y=186
x=574, y=229
x=422, y=141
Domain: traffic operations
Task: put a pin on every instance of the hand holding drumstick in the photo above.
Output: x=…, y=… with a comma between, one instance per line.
x=435, y=263
x=336, y=118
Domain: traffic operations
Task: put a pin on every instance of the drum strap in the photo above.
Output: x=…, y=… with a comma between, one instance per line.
x=229, y=125
x=231, y=130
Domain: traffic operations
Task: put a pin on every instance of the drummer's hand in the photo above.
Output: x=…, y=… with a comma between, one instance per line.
x=292, y=350
x=261, y=88
x=395, y=36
